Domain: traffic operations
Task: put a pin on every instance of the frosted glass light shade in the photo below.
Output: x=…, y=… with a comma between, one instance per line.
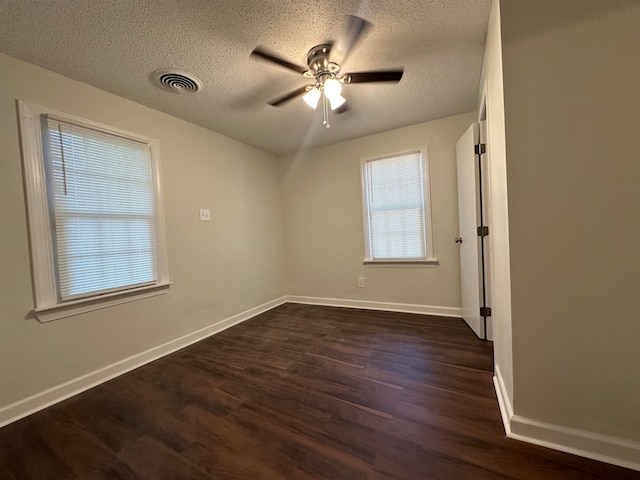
x=336, y=101
x=312, y=97
x=332, y=87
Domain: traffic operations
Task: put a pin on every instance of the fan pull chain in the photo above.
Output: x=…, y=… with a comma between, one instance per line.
x=325, y=111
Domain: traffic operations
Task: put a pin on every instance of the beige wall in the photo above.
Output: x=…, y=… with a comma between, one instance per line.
x=322, y=202
x=572, y=111
x=219, y=268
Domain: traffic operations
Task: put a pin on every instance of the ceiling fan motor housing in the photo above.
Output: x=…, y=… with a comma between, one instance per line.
x=319, y=65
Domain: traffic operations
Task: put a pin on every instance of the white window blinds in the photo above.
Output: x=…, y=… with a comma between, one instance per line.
x=395, y=207
x=102, y=205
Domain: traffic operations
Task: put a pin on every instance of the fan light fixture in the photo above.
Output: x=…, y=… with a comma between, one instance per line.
x=330, y=91
x=312, y=97
x=336, y=101
x=332, y=87
x=323, y=68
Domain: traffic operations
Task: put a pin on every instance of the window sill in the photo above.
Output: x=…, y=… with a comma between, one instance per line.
x=429, y=262
x=76, y=307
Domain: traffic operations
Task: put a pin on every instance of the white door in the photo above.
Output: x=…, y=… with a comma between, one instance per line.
x=468, y=239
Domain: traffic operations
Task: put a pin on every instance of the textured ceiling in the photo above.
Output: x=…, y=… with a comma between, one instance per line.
x=115, y=45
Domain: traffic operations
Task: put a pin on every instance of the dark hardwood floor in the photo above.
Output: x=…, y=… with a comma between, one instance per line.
x=297, y=393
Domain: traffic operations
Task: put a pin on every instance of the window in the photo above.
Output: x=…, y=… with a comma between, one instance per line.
x=95, y=214
x=397, y=216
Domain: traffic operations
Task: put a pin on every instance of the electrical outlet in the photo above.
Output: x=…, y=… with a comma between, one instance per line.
x=360, y=282
x=205, y=215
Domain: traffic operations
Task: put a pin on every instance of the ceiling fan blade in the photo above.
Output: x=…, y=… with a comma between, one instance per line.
x=379, y=76
x=270, y=57
x=356, y=28
x=289, y=96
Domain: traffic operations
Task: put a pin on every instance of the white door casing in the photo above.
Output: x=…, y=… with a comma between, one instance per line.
x=485, y=195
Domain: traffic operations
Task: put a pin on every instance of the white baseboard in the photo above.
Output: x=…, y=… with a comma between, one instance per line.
x=604, y=448
x=504, y=402
x=371, y=305
x=39, y=401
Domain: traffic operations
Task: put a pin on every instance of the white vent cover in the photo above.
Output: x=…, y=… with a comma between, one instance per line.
x=176, y=81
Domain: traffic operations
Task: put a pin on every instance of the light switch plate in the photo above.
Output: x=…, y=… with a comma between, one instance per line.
x=205, y=215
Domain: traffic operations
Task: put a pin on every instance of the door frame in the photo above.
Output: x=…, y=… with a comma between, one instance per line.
x=487, y=219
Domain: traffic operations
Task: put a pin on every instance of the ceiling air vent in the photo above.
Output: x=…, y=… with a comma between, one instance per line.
x=176, y=81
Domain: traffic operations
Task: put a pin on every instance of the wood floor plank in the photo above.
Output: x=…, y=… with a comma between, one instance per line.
x=300, y=392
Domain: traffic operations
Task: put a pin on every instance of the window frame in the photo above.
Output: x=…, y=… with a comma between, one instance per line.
x=429, y=260
x=47, y=304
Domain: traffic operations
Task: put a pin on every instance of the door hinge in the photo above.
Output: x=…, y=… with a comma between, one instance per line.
x=483, y=231
x=485, y=311
x=480, y=148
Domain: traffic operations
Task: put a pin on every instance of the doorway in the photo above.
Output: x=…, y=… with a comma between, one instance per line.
x=474, y=235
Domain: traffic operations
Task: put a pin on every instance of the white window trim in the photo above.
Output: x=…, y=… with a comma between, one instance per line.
x=430, y=260
x=47, y=306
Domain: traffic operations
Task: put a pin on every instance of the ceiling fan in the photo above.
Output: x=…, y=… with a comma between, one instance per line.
x=324, y=63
